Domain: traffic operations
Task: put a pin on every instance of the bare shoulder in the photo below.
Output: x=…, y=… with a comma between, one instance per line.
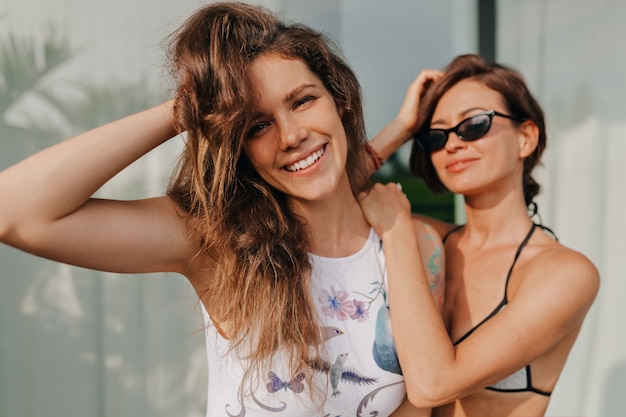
x=570, y=262
x=426, y=231
x=439, y=226
x=193, y=262
x=564, y=267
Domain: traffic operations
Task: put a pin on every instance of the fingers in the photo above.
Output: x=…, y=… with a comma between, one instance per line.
x=426, y=76
x=384, y=205
x=385, y=193
x=410, y=106
x=425, y=79
x=382, y=192
x=400, y=188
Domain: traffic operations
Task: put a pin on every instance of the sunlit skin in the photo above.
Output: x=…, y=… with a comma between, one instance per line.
x=549, y=293
x=243, y=212
x=297, y=120
x=487, y=172
x=494, y=162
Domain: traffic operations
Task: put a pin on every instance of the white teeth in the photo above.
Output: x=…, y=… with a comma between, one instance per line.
x=306, y=162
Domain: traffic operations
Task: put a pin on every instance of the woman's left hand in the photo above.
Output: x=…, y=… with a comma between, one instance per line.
x=408, y=114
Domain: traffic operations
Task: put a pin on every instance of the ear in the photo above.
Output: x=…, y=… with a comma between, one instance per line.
x=528, y=138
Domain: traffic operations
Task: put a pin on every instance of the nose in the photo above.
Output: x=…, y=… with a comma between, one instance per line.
x=454, y=142
x=291, y=134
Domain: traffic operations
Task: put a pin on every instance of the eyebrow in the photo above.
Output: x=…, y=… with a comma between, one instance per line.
x=463, y=114
x=289, y=96
x=293, y=93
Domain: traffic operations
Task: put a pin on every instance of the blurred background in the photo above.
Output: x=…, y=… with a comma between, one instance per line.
x=79, y=343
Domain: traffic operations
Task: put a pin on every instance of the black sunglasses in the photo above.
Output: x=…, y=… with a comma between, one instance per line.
x=472, y=128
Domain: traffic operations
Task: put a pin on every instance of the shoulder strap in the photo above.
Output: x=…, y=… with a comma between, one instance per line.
x=547, y=229
x=505, y=298
x=454, y=229
x=517, y=254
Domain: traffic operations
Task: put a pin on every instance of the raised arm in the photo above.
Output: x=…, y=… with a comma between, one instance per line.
x=46, y=207
x=436, y=372
x=400, y=129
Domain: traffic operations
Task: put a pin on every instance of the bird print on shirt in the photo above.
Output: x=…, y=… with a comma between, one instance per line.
x=328, y=333
x=338, y=372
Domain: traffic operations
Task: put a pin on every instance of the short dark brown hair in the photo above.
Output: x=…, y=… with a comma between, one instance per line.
x=517, y=99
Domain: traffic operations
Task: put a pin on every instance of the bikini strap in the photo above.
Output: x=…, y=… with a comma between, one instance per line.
x=517, y=254
x=505, y=300
x=533, y=211
x=459, y=227
x=547, y=229
x=449, y=232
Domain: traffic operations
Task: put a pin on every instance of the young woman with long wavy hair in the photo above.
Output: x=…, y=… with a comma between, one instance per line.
x=260, y=215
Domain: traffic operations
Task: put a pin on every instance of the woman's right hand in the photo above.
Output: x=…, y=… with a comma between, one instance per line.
x=386, y=208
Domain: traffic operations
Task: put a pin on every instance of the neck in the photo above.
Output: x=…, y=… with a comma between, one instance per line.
x=337, y=227
x=495, y=219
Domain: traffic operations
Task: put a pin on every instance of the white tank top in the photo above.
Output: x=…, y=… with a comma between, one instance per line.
x=360, y=374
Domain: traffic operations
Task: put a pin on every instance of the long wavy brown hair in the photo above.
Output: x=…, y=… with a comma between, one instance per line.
x=258, y=246
x=517, y=99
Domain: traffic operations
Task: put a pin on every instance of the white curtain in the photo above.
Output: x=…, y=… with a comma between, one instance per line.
x=573, y=55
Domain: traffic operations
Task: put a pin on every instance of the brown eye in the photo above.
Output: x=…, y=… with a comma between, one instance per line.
x=303, y=101
x=256, y=129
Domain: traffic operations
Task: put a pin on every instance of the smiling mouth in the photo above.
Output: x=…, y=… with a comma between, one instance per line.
x=459, y=164
x=306, y=162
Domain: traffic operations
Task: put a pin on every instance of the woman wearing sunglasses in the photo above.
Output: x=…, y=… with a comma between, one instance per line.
x=515, y=297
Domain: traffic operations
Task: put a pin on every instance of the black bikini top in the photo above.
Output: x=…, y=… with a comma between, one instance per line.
x=520, y=380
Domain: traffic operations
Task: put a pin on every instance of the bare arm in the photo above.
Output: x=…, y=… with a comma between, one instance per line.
x=440, y=226
x=400, y=129
x=436, y=372
x=407, y=409
x=47, y=207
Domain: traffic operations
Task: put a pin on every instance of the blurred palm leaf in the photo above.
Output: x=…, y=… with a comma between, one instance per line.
x=25, y=65
x=97, y=105
x=24, y=62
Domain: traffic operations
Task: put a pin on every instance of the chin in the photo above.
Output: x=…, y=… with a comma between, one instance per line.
x=319, y=194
